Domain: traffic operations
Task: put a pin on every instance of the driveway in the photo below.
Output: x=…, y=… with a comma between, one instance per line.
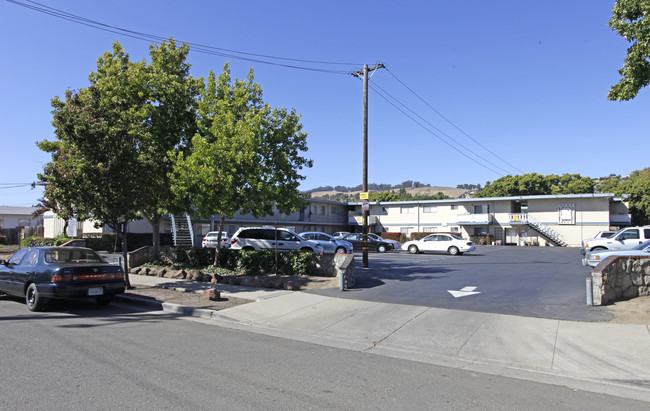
x=545, y=282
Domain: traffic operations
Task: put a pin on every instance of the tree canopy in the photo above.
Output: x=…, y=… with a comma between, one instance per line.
x=631, y=20
x=637, y=187
x=537, y=184
x=245, y=157
x=109, y=159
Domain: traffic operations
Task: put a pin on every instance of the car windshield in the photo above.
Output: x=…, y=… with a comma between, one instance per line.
x=72, y=255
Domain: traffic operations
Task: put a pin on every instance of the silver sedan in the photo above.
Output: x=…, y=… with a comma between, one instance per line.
x=329, y=243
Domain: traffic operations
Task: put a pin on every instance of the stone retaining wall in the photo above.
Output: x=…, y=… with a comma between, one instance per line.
x=620, y=278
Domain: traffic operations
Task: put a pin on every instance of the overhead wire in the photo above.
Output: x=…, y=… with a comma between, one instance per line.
x=195, y=47
x=450, y=122
x=379, y=93
x=440, y=131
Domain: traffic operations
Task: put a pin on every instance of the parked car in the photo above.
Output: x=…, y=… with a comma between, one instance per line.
x=340, y=234
x=448, y=243
x=43, y=273
x=329, y=243
x=210, y=240
x=624, y=239
x=604, y=234
x=395, y=244
x=373, y=245
x=282, y=239
x=593, y=258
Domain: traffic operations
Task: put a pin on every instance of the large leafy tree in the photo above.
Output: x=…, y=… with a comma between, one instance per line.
x=537, y=184
x=110, y=158
x=171, y=121
x=631, y=19
x=246, y=156
x=637, y=188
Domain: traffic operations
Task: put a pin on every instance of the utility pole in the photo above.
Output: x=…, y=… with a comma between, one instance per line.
x=364, y=73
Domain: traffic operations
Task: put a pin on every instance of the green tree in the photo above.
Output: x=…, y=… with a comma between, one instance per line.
x=171, y=102
x=95, y=172
x=631, y=20
x=637, y=189
x=537, y=184
x=245, y=157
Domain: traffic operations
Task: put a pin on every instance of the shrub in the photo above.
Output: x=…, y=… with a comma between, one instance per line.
x=3, y=240
x=43, y=242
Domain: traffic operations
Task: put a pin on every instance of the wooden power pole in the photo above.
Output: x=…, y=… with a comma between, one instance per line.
x=366, y=211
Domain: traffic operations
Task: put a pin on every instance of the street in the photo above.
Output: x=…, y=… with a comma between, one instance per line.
x=82, y=356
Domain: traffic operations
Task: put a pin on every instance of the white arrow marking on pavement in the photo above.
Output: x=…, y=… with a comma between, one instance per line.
x=465, y=291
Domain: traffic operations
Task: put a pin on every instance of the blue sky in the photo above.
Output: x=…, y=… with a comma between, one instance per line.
x=526, y=81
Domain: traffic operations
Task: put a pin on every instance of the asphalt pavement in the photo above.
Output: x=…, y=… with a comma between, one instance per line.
x=592, y=356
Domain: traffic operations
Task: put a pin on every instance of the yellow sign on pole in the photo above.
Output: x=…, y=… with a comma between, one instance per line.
x=363, y=196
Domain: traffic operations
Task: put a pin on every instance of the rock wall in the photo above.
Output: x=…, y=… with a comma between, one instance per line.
x=620, y=278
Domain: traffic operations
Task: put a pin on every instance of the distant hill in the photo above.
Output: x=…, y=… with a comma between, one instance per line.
x=354, y=195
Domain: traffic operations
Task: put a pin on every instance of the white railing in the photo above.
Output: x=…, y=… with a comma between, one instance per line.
x=474, y=218
x=518, y=217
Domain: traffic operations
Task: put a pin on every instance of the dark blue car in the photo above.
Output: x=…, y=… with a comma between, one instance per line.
x=43, y=273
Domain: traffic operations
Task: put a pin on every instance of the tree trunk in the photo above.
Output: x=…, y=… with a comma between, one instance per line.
x=155, y=241
x=125, y=262
x=216, y=251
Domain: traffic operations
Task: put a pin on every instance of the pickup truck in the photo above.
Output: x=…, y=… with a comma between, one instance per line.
x=624, y=239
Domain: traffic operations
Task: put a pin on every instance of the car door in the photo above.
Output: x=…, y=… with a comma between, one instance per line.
x=287, y=241
x=7, y=270
x=627, y=239
x=356, y=241
x=431, y=243
x=329, y=246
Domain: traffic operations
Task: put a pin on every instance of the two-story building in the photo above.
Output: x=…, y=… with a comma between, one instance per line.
x=543, y=220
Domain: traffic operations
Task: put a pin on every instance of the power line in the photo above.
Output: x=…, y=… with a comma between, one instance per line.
x=434, y=134
x=450, y=122
x=196, y=47
x=440, y=131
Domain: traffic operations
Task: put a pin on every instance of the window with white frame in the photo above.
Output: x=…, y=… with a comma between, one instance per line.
x=407, y=210
x=428, y=229
x=566, y=213
x=430, y=209
x=454, y=229
x=406, y=230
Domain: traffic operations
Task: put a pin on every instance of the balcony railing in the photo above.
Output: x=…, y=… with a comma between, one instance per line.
x=474, y=218
x=518, y=217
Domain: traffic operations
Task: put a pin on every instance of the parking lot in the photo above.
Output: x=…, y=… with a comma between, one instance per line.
x=545, y=282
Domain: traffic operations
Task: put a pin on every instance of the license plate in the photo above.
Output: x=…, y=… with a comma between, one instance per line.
x=95, y=291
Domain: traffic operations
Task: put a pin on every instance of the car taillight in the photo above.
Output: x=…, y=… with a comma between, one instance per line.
x=61, y=277
x=233, y=241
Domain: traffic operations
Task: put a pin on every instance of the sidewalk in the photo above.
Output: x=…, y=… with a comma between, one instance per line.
x=601, y=357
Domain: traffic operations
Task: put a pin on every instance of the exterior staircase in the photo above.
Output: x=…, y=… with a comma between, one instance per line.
x=545, y=231
x=182, y=231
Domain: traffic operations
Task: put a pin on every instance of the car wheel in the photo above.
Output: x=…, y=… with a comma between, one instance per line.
x=104, y=299
x=413, y=249
x=340, y=250
x=33, y=299
x=248, y=249
x=453, y=251
x=381, y=248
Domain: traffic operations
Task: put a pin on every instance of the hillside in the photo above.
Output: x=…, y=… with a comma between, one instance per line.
x=449, y=191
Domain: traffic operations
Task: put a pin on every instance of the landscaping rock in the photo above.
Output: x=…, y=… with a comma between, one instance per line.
x=211, y=294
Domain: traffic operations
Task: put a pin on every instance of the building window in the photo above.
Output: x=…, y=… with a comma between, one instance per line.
x=335, y=210
x=322, y=210
x=430, y=209
x=481, y=208
x=479, y=231
x=454, y=229
x=23, y=223
x=428, y=229
x=454, y=206
x=567, y=214
x=406, y=230
x=407, y=210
